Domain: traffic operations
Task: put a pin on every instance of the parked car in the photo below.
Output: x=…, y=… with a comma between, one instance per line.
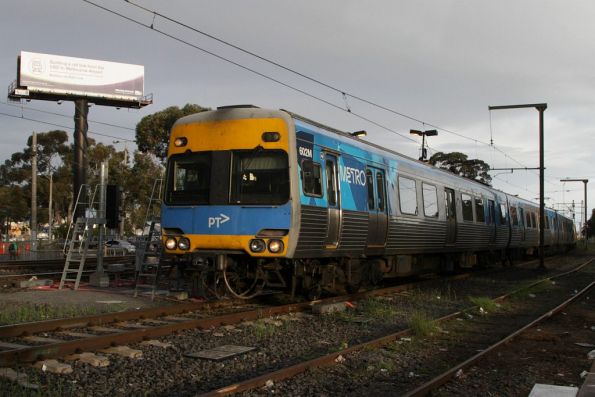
x=122, y=244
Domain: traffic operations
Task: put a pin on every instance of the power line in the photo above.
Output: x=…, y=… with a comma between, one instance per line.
x=63, y=126
x=344, y=93
x=65, y=115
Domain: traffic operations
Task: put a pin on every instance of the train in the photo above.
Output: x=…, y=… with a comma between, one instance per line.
x=256, y=200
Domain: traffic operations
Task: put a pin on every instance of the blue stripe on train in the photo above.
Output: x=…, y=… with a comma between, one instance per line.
x=226, y=219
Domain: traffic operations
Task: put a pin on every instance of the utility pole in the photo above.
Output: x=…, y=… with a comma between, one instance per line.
x=34, y=190
x=585, y=182
x=541, y=107
x=424, y=151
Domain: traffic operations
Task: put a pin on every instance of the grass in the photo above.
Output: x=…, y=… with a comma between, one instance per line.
x=421, y=324
x=484, y=302
x=377, y=308
x=11, y=313
x=263, y=329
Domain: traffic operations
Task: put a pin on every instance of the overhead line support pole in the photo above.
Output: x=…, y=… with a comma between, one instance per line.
x=541, y=107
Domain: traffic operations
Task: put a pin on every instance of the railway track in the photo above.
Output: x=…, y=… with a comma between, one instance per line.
x=283, y=374
x=63, y=337
x=135, y=326
x=59, y=263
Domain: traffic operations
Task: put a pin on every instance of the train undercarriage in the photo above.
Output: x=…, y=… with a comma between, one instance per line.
x=237, y=275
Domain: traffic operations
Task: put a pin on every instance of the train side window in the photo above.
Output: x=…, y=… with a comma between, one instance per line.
x=370, y=183
x=503, y=214
x=479, y=214
x=407, y=196
x=513, y=216
x=534, y=220
x=528, y=219
x=311, y=178
x=547, y=222
x=430, y=198
x=467, y=207
x=491, y=212
x=521, y=216
x=380, y=190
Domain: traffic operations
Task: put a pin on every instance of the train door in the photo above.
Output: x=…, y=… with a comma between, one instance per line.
x=377, y=218
x=451, y=216
x=492, y=220
x=522, y=222
x=334, y=201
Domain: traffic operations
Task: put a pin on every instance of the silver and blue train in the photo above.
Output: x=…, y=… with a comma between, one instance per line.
x=258, y=199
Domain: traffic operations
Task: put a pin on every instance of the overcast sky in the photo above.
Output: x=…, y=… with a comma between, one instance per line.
x=441, y=62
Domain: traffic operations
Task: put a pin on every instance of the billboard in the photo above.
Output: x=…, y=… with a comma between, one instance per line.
x=79, y=77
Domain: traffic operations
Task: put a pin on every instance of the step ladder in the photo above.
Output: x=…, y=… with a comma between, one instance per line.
x=148, y=257
x=76, y=246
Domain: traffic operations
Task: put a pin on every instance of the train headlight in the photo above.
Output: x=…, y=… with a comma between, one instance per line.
x=275, y=246
x=184, y=244
x=181, y=141
x=257, y=245
x=171, y=243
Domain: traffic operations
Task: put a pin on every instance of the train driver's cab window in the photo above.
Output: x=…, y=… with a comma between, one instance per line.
x=479, y=214
x=188, y=179
x=407, y=196
x=311, y=178
x=503, y=214
x=430, y=197
x=260, y=177
x=467, y=207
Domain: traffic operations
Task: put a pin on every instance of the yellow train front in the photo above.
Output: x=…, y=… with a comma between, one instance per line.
x=226, y=207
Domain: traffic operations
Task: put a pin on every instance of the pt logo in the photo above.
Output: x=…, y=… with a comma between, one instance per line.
x=217, y=221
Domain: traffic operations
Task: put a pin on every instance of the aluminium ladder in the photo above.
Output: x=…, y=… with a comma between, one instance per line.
x=78, y=238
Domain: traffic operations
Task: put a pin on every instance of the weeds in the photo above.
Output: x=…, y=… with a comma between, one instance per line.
x=263, y=329
x=484, y=302
x=421, y=324
x=377, y=308
x=27, y=312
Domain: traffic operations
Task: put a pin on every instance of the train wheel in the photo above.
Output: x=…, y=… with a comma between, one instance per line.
x=244, y=280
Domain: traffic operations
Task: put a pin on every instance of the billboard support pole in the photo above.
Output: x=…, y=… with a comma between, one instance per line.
x=79, y=166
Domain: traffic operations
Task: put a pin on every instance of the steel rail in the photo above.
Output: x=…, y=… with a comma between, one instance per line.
x=54, y=350
x=451, y=373
x=330, y=359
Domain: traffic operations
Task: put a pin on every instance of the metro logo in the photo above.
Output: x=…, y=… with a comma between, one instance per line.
x=352, y=175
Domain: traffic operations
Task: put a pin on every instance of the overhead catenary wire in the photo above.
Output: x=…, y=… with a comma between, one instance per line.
x=341, y=91
x=20, y=106
x=292, y=87
x=345, y=94
x=64, y=126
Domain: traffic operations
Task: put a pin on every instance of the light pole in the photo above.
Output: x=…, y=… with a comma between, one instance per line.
x=584, y=181
x=423, y=134
x=541, y=108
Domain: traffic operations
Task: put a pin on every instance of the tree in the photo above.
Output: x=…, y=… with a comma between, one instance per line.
x=152, y=132
x=458, y=163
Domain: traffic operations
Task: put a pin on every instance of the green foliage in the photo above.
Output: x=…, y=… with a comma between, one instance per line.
x=484, y=302
x=421, y=324
x=458, y=163
x=377, y=308
x=152, y=132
